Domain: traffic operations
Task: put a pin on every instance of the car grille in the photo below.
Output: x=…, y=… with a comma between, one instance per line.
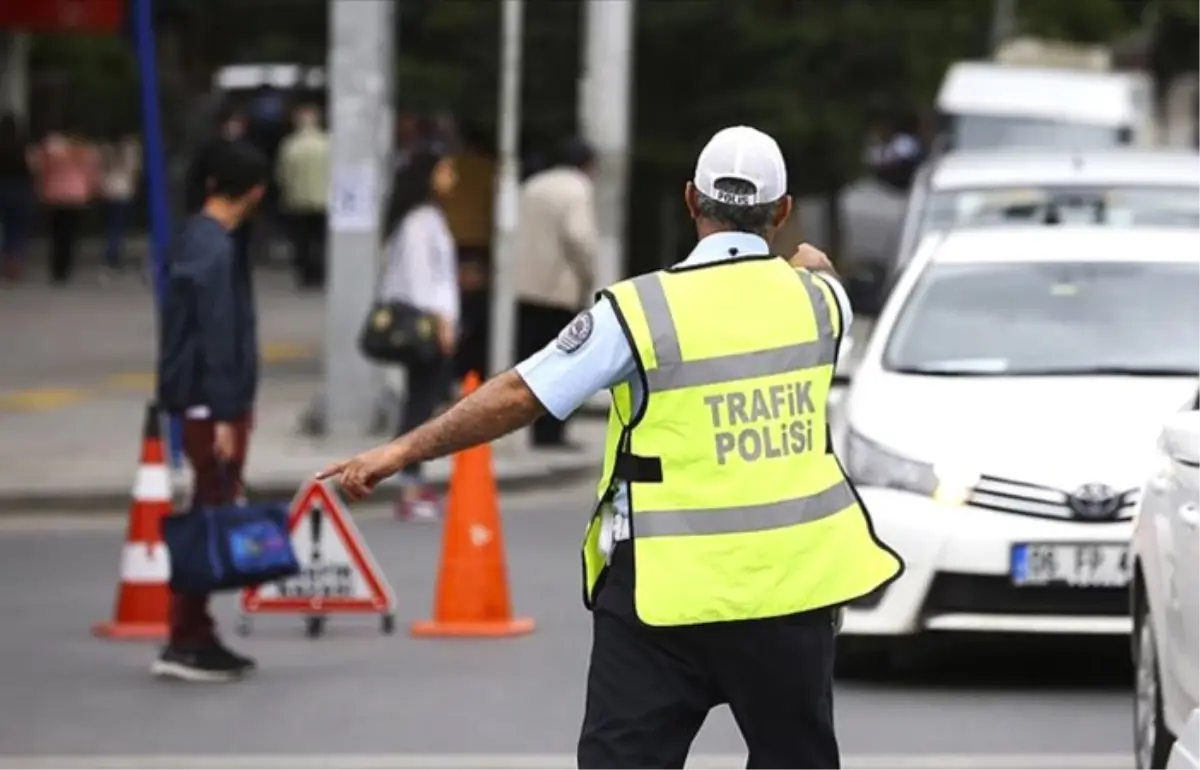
x=1010, y=496
x=996, y=595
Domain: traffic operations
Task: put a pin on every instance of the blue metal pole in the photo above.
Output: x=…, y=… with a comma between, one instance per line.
x=156, y=173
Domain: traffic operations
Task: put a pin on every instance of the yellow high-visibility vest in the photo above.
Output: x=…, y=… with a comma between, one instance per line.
x=738, y=507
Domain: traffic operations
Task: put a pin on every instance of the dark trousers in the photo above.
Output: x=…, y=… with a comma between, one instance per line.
x=116, y=215
x=428, y=387
x=214, y=483
x=16, y=209
x=307, y=233
x=65, y=223
x=650, y=689
x=537, y=325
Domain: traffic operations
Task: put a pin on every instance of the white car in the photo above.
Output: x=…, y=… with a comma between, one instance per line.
x=1118, y=187
x=997, y=425
x=1166, y=602
x=986, y=105
x=1185, y=755
x=1020, y=186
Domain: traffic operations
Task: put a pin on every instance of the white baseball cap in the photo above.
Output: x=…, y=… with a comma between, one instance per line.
x=744, y=153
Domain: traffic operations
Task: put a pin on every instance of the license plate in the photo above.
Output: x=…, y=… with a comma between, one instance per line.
x=1073, y=564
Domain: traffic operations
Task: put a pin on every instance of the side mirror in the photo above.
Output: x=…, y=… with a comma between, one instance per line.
x=1181, y=437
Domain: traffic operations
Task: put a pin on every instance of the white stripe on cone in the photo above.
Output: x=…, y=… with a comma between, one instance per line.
x=152, y=483
x=145, y=563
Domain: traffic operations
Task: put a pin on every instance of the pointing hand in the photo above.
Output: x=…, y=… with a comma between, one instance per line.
x=358, y=475
x=811, y=258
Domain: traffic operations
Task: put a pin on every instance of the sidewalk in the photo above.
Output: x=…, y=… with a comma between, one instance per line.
x=77, y=371
x=83, y=457
x=90, y=335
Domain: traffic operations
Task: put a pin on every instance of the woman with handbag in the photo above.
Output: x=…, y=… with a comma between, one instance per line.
x=420, y=281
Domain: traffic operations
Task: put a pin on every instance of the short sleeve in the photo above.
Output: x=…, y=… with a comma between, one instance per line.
x=589, y=355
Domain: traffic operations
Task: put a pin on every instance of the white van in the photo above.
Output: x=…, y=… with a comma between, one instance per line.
x=985, y=105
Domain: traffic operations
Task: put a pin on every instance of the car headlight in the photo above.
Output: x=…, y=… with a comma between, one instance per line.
x=869, y=464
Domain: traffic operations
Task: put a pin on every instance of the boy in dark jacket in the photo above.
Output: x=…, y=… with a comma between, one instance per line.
x=208, y=373
x=231, y=128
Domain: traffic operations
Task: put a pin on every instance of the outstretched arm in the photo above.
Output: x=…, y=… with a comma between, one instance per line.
x=502, y=405
x=591, y=353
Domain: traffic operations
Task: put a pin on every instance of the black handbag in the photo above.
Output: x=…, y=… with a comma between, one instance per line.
x=398, y=333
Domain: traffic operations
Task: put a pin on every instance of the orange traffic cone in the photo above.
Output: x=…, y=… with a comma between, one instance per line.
x=143, y=598
x=472, y=591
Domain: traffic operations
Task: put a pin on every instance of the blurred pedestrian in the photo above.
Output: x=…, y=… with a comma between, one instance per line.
x=894, y=152
x=422, y=271
x=67, y=170
x=122, y=167
x=303, y=176
x=208, y=373
x=268, y=124
x=231, y=128
x=556, y=253
x=16, y=195
x=724, y=536
x=408, y=138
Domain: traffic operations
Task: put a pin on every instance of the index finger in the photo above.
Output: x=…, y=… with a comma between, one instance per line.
x=332, y=469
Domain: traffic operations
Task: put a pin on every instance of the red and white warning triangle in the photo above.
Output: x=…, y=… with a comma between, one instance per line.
x=337, y=571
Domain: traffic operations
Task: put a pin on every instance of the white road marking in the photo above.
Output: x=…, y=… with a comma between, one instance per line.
x=530, y=761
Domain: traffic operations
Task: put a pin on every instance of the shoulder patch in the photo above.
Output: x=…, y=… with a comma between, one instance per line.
x=576, y=333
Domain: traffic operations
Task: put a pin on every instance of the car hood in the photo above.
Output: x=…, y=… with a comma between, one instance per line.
x=1056, y=431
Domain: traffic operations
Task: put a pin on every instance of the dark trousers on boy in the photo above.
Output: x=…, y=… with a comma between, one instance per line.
x=193, y=651
x=214, y=482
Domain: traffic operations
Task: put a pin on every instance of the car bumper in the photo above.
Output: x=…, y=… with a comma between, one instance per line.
x=957, y=573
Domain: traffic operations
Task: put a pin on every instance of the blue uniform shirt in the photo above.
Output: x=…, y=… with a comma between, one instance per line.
x=589, y=357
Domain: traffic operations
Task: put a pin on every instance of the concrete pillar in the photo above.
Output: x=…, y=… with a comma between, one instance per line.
x=14, y=73
x=504, y=222
x=361, y=59
x=604, y=114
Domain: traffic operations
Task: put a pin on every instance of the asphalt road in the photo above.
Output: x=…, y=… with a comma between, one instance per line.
x=358, y=698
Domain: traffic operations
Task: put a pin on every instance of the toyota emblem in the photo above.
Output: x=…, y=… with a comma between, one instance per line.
x=1095, y=501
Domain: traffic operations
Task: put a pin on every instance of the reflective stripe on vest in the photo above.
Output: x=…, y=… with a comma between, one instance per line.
x=748, y=518
x=673, y=372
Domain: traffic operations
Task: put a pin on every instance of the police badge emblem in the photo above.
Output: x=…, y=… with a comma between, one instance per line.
x=576, y=333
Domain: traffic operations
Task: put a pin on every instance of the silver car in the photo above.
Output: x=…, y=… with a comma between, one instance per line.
x=1126, y=187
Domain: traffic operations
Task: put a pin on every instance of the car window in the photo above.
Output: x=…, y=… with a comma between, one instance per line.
x=1050, y=318
x=986, y=132
x=1120, y=206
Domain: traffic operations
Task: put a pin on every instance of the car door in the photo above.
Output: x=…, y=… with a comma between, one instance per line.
x=1185, y=577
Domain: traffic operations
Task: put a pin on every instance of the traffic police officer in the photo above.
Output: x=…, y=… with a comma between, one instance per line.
x=726, y=535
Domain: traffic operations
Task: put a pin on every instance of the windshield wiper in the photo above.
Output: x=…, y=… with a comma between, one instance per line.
x=1103, y=371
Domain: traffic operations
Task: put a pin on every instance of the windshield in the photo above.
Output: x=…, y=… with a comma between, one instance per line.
x=1013, y=318
x=985, y=132
x=1121, y=206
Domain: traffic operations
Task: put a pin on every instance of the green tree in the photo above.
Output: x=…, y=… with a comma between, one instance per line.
x=1083, y=21
x=1174, y=36
x=811, y=73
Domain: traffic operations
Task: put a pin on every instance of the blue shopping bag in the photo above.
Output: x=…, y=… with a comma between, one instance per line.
x=228, y=547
